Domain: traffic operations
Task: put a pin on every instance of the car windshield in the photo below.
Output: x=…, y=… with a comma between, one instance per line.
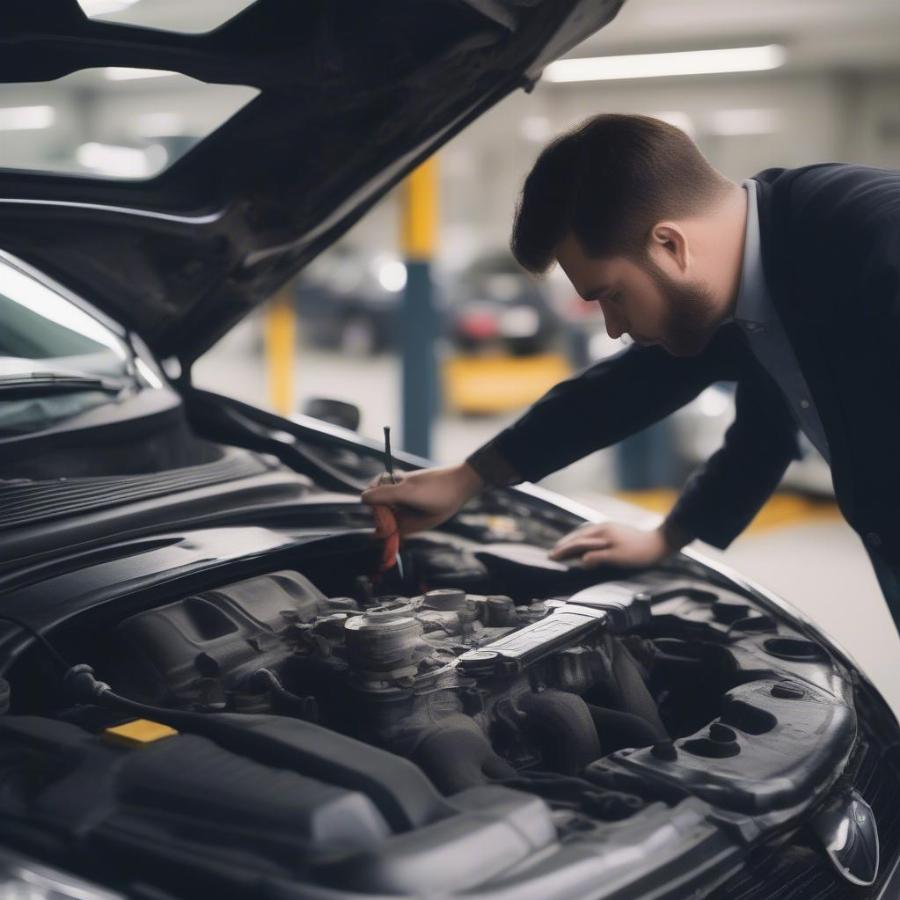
x=56, y=359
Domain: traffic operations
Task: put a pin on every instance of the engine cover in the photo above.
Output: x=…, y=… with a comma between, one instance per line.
x=469, y=686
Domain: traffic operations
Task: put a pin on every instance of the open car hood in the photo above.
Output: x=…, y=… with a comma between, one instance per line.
x=352, y=96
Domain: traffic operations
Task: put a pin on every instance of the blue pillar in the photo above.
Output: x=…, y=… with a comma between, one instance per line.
x=646, y=460
x=419, y=327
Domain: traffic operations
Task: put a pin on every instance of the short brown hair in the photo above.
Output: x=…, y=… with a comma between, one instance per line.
x=608, y=182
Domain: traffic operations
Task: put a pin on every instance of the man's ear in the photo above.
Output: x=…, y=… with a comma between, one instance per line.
x=668, y=247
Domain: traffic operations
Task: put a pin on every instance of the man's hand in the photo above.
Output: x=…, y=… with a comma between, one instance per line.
x=611, y=543
x=424, y=499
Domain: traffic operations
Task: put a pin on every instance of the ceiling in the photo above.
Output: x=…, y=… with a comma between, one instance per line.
x=857, y=33
x=132, y=128
x=861, y=34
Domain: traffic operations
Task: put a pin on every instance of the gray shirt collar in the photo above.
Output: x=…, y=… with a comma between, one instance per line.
x=750, y=305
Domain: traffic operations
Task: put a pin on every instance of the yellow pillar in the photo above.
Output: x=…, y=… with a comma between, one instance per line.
x=280, y=335
x=419, y=321
x=419, y=223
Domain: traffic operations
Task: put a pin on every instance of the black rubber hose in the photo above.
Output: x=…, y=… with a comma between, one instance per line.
x=563, y=724
x=618, y=729
x=456, y=755
x=304, y=708
x=633, y=693
x=402, y=793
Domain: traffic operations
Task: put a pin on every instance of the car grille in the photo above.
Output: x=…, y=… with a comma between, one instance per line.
x=799, y=869
x=36, y=501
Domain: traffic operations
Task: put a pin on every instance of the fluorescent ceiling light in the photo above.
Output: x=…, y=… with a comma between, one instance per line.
x=120, y=73
x=124, y=162
x=23, y=118
x=102, y=7
x=732, y=122
x=663, y=65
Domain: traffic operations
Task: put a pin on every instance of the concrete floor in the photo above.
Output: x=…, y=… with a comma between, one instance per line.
x=819, y=567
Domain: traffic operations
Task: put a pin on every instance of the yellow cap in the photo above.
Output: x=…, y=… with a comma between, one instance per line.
x=138, y=732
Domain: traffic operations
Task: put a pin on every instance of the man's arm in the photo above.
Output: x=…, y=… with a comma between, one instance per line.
x=604, y=404
x=607, y=402
x=720, y=498
x=622, y=395
x=613, y=399
x=724, y=494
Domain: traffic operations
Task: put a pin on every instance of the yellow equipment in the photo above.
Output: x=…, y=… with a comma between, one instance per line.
x=499, y=383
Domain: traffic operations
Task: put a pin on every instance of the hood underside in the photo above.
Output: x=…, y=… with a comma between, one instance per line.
x=352, y=95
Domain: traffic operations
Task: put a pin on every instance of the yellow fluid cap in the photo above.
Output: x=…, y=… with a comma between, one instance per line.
x=139, y=732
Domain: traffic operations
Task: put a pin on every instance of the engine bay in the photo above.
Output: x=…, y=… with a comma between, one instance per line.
x=469, y=687
x=509, y=694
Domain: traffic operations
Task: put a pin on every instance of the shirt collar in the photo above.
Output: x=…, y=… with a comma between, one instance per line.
x=750, y=306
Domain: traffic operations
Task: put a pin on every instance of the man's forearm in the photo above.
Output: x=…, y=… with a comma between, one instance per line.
x=492, y=468
x=611, y=400
x=471, y=481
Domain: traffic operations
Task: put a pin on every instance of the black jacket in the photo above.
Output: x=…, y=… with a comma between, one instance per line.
x=830, y=242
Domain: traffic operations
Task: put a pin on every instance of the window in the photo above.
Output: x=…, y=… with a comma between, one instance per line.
x=184, y=16
x=56, y=360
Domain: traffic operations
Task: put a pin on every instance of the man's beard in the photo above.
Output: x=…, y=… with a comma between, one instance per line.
x=690, y=319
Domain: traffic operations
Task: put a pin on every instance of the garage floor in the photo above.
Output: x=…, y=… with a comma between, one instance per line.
x=809, y=557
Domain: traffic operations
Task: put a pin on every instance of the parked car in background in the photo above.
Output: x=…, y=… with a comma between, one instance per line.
x=495, y=306
x=505, y=343
x=349, y=300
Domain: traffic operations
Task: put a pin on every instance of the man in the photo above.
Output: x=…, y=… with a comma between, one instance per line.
x=788, y=285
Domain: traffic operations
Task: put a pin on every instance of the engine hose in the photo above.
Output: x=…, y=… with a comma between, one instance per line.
x=456, y=755
x=634, y=696
x=304, y=708
x=400, y=791
x=565, y=728
x=82, y=686
x=618, y=729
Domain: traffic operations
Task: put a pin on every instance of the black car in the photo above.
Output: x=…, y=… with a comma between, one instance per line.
x=494, y=306
x=350, y=301
x=208, y=690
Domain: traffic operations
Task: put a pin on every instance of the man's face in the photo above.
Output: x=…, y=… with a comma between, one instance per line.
x=639, y=298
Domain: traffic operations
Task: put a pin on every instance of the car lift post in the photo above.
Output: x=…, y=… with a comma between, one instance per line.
x=418, y=320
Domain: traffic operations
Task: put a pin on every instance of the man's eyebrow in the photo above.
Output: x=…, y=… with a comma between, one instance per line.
x=596, y=293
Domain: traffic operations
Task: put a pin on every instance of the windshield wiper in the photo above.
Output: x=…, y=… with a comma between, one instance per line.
x=29, y=384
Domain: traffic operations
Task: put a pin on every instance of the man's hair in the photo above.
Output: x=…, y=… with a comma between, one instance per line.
x=608, y=182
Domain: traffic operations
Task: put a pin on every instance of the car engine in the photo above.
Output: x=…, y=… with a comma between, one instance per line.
x=470, y=687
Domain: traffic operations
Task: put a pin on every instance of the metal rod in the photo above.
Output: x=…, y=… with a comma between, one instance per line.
x=388, y=457
x=389, y=467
